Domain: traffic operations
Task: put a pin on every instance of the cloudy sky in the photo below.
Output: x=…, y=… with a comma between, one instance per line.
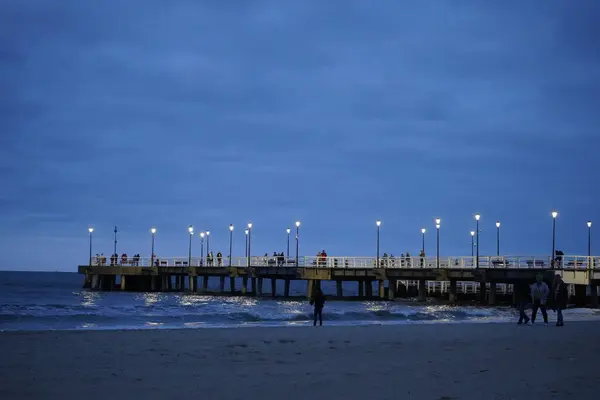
x=336, y=113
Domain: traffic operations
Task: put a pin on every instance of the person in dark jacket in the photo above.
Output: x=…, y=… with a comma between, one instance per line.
x=523, y=296
x=560, y=298
x=318, y=301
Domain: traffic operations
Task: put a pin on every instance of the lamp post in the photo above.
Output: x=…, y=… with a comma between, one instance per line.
x=477, y=217
x=589, y=225
x=288, y=230
x=297, y=240
x=246, y=251
x=202, y=248
x=90, y=230
x=423, y=230
x=437, y=227
x=249, y=243
x=554, y=215
x=115, y=249
x=472, y=243
x=153, y=232
x=230, y=242
x=498, y=238
x=378, y=223
x=208, y=244
x=191, y=231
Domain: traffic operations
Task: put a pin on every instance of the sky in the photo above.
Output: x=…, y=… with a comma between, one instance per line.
x=338, y=113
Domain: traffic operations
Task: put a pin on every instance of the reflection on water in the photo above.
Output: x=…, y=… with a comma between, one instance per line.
x=89, y=299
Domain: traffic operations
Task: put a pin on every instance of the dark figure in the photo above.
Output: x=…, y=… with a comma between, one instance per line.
x=220, y=259
x=422, y=255
x=539, y=297
x=113, y=259
x=408, y=259
x=281, y=259
x=523, y=297
x=318, y=301
x=559, y=298
x=123, y=259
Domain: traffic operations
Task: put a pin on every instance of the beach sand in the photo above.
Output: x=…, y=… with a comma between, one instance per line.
x=442, y=362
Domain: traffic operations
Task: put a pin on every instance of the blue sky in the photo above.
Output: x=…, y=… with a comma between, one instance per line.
x=153, y=113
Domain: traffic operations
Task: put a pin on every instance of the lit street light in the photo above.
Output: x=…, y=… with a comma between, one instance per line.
x=246, y=232
x=202, y=248
x=554, y=215
x=297, y=240
x=423, y=230
x=191, y=231
x=249, y=243
x=288, y=230
x=437, y=227
x=90, y=230
x=589, y=225
x=153, y=232
x=472, y=243
x=208, y=244
x=498, y=238
x=477, y=217
x=378, y=223
x=230, y=242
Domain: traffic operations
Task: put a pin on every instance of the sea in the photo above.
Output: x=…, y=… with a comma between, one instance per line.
x=41, y=301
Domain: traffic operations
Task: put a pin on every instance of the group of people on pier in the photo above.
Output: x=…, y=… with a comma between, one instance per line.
x=114, y=260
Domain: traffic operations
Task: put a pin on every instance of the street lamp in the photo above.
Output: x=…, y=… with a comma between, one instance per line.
x=246, y=232
x=230, y=242
x=378, y=223
x=115, y=249
x=191, y=231
x=153, y=231
x=249, y=243
x=208, y=244
x=472, y=243
x=90, y=230
x=498, y=238
x=477, y=217
x=437, y=227
x=423, y=230
x=202, y=248
x=554, y=215
x=297, y=240
x=288, y=230
x=589, y=225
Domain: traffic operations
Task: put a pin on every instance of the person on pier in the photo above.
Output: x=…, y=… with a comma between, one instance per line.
x=539, y=297
x=220, y=259
x=559, y=297
x=318, y=301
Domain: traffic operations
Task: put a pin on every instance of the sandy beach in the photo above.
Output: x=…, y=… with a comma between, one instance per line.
x=453, y=361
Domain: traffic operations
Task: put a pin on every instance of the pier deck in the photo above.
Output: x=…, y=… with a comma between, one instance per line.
x=391, y=275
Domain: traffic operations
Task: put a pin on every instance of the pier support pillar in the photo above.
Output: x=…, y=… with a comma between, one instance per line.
x=273, y=287
x=492, y=296
x=381, y=289
x=87, y=281
x=339, y=287
x=154, y=283
x=232, y=285
x=95, y=281
x=361, y=289
x=392, y=285
x=286, y=291
x=193, y=284
x=123, y=282
x=482, y=291
x=222, y=283
x=422, y=289
x=594, y=295
x=368, y=289
x=309, y=288
x=245, y=284
x=452, y=292
x=205, y=284
x=259, y=286
x=580, y=295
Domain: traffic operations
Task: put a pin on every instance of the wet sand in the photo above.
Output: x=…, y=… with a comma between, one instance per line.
x=449, y=361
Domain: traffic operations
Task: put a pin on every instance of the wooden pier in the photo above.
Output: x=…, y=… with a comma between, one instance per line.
x=389, y=281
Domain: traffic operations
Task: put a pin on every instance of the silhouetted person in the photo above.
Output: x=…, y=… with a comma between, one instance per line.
x=559, y=298
x=220, y=258
x=523, y=297
x=539, y=297
x=318, y=301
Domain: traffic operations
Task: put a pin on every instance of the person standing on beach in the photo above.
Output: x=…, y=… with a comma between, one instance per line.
x=560, y=298
x=318, y=301
x=523, y=295
x=539, y=296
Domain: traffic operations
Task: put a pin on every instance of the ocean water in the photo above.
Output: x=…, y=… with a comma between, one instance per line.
x=56, y=301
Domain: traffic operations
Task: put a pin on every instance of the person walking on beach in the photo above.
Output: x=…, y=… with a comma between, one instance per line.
x=560, y=298
x=523, y=296
x=318, y=301
x=539, y=296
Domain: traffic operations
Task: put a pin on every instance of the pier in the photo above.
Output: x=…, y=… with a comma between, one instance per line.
x=485, y=278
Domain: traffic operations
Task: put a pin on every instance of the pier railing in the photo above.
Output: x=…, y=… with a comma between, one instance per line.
x=567, y=261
